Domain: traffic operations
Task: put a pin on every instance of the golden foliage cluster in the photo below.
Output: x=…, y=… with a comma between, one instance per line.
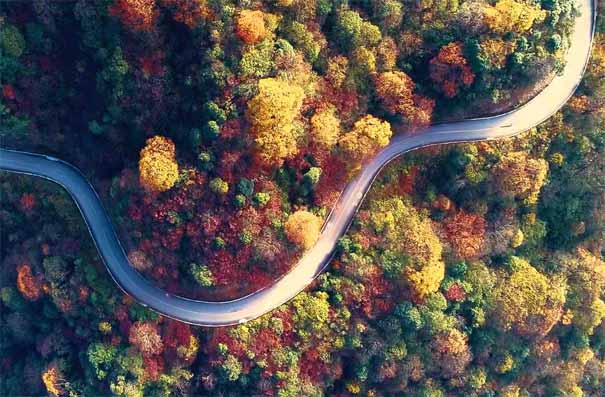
x=302, y=228
x=272, y=114
x=158, y=169
x=512, y=16
x=367, y=136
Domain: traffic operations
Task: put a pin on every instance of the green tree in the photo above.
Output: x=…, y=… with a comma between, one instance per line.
x=11, y=41
x=219, y=186
x=101, y=357
x=201, y=274
x=353, y=32
x=302, y=39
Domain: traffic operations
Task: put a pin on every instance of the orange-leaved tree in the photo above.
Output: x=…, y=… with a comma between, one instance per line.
x=272, y=114
x=158, y=169
x=450, y=69
x=466, y=234
x=53, y=379
x=250, y=26
x=396, y=91
x=29, y=285
x=138, y=15
x=302, y=228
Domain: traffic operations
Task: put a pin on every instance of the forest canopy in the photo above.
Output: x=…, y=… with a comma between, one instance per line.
x=219, y=135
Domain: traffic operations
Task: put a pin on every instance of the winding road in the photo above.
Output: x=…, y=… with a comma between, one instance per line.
x=214, y=314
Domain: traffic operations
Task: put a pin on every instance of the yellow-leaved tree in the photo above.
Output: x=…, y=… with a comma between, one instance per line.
x=325, y=127
x=496, y=51
x=407, y=232
x=586, y=279
x=53, y=379
x=512, y=16
x=396, y=92
x=519, y=176
x=302, y=228
x=158, y=169
x=367, y=136
x=272, y=114
x=527, y=301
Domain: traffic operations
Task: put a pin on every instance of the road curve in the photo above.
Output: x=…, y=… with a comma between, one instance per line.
x=214, y=314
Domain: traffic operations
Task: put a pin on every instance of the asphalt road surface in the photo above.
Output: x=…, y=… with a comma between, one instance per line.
x=214, y=314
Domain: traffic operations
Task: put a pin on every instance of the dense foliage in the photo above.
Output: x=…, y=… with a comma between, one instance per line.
x=220, y=133
x=205, y=123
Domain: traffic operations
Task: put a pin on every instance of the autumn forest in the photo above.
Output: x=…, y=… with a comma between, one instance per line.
x=219, y=135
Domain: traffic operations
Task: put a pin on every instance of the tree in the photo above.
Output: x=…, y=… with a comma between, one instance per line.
x=466, y=233
x=367, y=136
x=408, y=237
x=201, y=274
x=219, y=186
x=586, y=280
x=595, y=73
x=11, y=299
x=56, y=269
x=53, y=380
x=512, y=16
x=387, y=54
x=353, y=32
x=300, y=37
x=246, y=187
x=250, y=26
x=188, y=351
x=145, y=336
x=189, y=12
x=312, y=176
x=336, y=73
x=527, y=301
x=211, y=130
x=112, y=78
x=450, y=69
x=451, y=352
x=389, y=12
x=325, y=127
x=258, y=60
x=496, y=51
x=231, y=368
x=396, y=91
x=311, y=313
x=272, y=115
x=363, y=63
x=27, y=284
x=554, y=43
x=11, y=41
x=302, y=228
x=516, y=175
x=138, y=15
x=139, y=260
x=261, y=199
x=158, y=170
x=101, y=356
